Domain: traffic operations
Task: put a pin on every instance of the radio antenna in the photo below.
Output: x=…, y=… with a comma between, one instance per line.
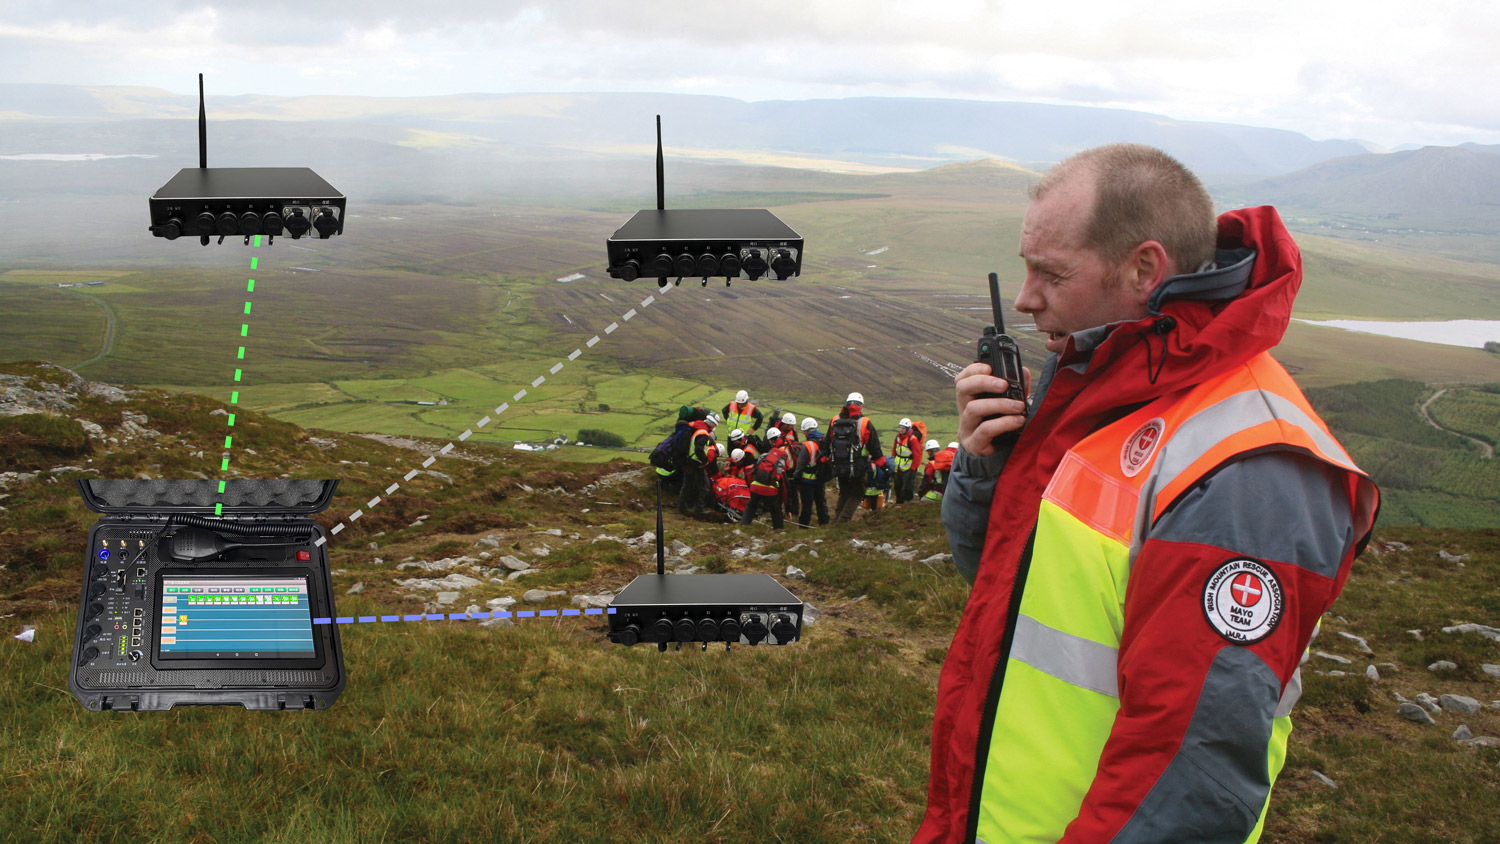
x=661, y=542
x=661, y=183
x=202, y=128
x=995, y=303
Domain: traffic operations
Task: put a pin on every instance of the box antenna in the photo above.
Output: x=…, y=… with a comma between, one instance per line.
x=202, y=128
x=661, y=183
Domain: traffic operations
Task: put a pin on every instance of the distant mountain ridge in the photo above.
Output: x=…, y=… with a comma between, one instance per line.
x=1450, y=187
x=910, y=133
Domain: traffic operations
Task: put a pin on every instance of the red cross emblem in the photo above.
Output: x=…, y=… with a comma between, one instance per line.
x=1247, y=590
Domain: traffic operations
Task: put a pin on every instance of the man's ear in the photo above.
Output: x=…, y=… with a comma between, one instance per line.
x=1146, y=268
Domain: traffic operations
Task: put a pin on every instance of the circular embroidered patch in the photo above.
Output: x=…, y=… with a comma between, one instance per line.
x=1137, y=450
x=1243, y=601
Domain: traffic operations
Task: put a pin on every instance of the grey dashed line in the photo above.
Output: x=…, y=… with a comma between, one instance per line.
x=541, y=379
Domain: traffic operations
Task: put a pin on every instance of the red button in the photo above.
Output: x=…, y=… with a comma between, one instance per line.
x=304, y=556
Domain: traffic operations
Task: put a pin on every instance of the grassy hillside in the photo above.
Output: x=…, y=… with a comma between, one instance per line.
x=542, y=731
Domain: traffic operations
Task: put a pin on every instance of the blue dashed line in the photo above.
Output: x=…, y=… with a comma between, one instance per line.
x=457, y=616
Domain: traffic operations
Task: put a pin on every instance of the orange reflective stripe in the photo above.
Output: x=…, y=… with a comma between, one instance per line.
x=1104, y=503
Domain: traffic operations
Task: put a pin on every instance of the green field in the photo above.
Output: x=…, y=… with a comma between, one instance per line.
x=542, y=731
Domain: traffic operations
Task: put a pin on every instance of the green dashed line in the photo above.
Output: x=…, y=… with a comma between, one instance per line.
x=234, y=395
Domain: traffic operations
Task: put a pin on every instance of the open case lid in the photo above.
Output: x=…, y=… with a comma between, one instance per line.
x=240, y=497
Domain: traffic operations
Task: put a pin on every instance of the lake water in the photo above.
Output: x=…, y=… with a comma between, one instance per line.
x=1473, y=333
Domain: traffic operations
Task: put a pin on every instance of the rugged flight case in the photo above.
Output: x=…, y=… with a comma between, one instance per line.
x=118, y=658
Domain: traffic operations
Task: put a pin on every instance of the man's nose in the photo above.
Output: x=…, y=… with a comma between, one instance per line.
x=1027, y=301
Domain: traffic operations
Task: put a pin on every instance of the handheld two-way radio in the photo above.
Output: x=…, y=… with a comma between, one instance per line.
x=1000, y=351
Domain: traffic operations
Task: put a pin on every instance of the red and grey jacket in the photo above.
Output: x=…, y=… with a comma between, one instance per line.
x=767, y=476
x=1149, y=565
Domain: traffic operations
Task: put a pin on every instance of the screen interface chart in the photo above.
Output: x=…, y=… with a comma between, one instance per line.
x=229, y=617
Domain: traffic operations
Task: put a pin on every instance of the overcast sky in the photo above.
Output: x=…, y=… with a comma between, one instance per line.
x=1388, y=72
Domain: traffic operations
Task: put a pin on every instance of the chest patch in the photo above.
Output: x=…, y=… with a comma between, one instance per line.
x=1243, y=601
x=1137, y=451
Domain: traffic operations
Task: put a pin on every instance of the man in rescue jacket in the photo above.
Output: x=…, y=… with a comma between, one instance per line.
x=694, y=468
x=1151, y=556
x=742, y=413
x=811, y=477
x=939, y=464
x=906, y=459
x=766, y=481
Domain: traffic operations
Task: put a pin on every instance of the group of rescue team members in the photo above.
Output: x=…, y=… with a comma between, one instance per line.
x=782, y=467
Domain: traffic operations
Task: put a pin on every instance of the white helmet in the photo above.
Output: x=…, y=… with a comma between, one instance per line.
x=712, y=420
x=773, y=433
x=736, y=434
x=931, y=444
x=809, y=424
x=855, y=397
x=742, y=397
x=789, y=418
x=904, y=423
x=737, y=455
x=953, y=445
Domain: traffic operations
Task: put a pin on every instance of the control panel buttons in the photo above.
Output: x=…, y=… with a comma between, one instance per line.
x=729, y=628
x=629, y=635
x=271, y=223
x=90, y=654
x=297, y=225
x=249, y=223
x=630, y=270
x=685, y=264
x=227, y=223
x=729, y=264
x=661, y=631
x=708, y=264
x=204, y=224
x=685, y=629
x=708, y=630
x=784, y=629
x=92, y=630
x=326, y=224
x=94, y=611
x=661, y=265
x=783, y=264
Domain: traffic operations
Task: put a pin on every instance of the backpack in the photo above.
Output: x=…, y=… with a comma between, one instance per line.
x=844, y=447
x=665, y=455
x=766, y=471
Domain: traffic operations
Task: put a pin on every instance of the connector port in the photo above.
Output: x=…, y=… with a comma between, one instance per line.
x=140, y=572
x=139, y=612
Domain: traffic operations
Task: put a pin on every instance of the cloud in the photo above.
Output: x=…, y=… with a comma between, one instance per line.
x=1379, y=69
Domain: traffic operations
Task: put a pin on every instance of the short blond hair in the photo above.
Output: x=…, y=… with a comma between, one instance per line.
x=1141, y=194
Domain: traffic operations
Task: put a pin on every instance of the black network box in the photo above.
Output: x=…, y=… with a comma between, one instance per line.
x=724, y=243
x=744, y=608
x=227, y=201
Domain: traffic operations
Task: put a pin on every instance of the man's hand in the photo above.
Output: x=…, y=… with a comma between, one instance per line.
x=975, y=434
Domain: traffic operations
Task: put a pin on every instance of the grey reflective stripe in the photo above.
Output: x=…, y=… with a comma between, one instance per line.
x=1071, y=659
x=1291, y=694
x=1303, y=497
x=1210, y=426
x=1215, y=787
